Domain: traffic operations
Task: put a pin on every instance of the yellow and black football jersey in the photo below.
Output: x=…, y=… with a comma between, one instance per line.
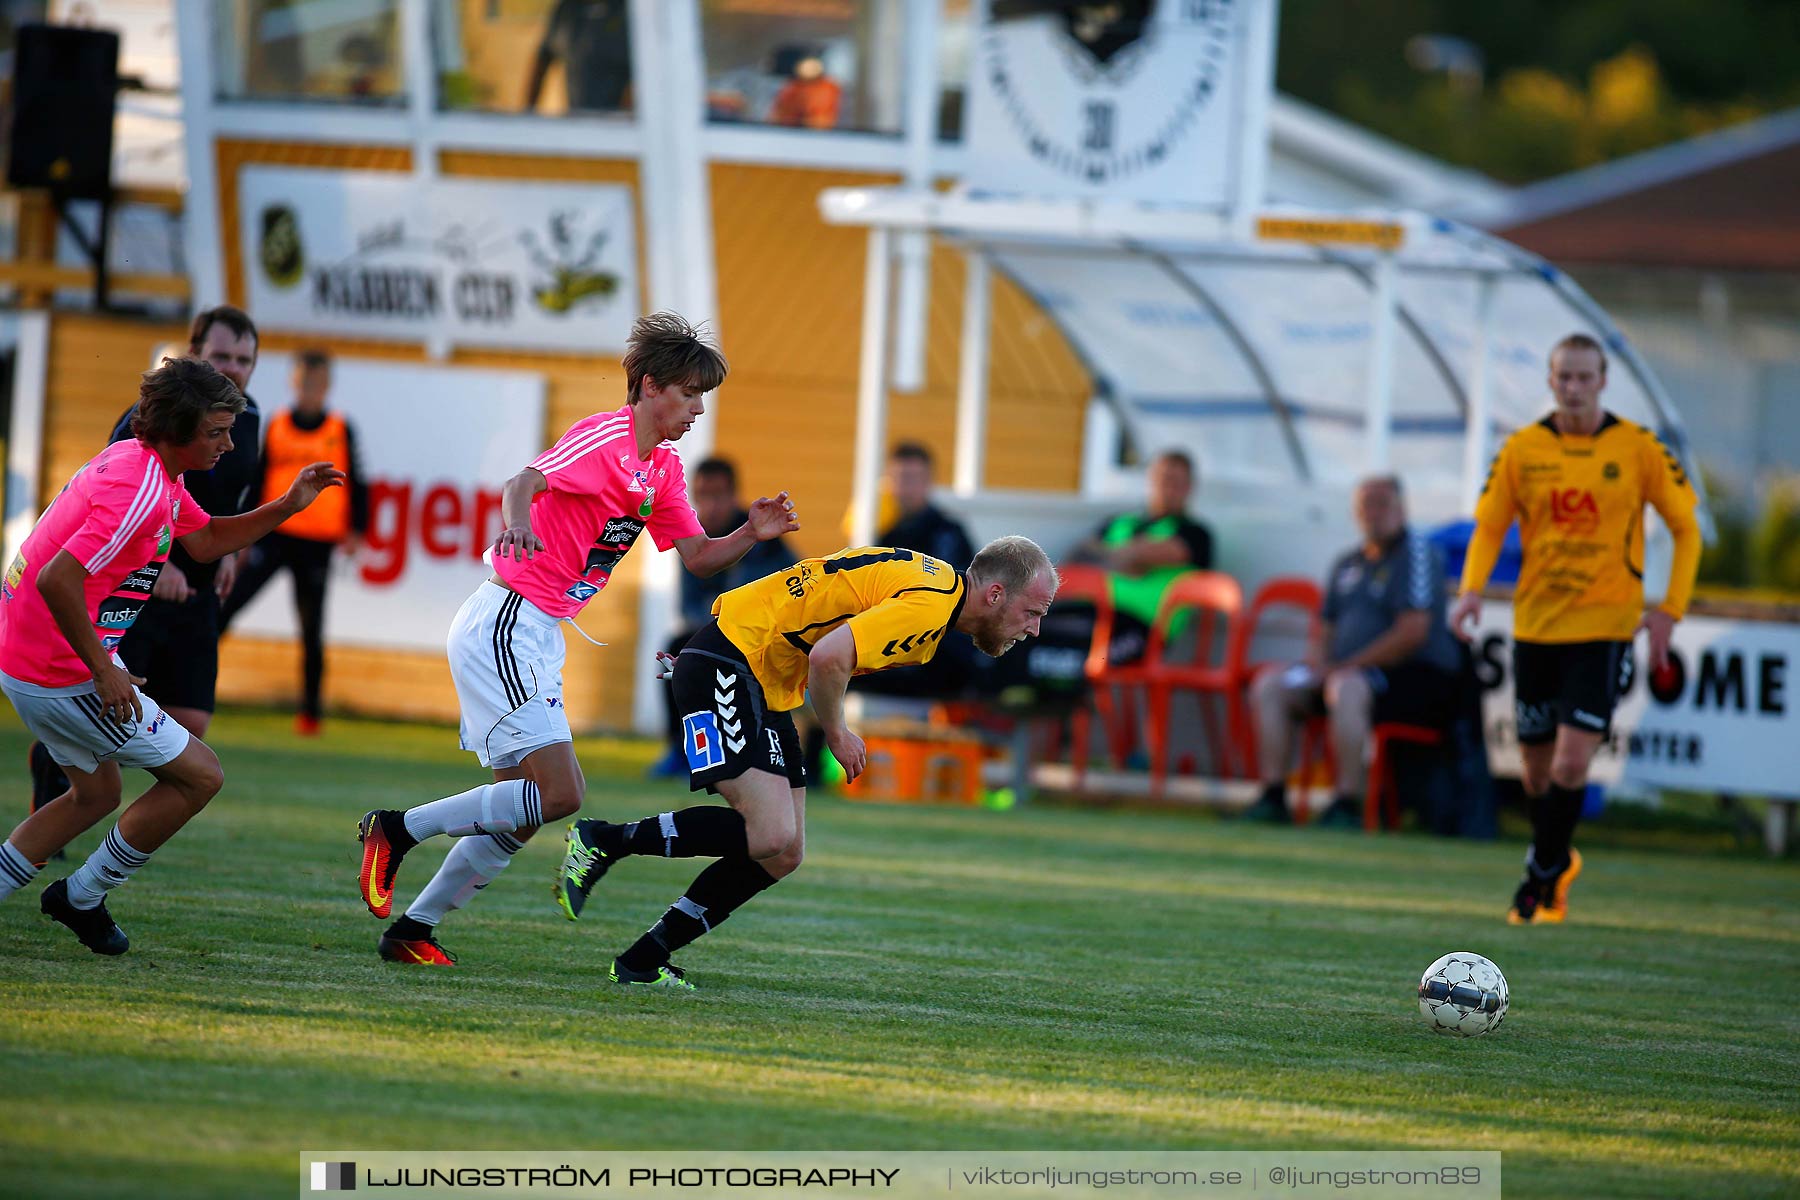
x=1580, y=503
x=899, y=604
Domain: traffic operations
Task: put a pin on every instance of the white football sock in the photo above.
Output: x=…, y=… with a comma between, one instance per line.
x=15, y=870
x=492, y=808
x=472, y=864
x=106, y=868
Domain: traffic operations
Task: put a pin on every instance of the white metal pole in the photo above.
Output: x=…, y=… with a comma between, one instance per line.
x=656, y=164
x=913, y=249
x=25, y=440
x=1380, y=409
x=871, y=390
x=421, y=111
x=421, y=86
x=914, y=246
x=685, y=100
x=971, y=388
x=1259, y=86
x=1481, y=394
x=678, y=234
x=200, y=207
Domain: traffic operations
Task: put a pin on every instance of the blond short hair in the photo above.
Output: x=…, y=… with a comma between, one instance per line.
x=1012, y=562
x=1578, y=341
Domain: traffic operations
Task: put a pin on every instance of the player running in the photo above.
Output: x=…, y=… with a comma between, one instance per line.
x=85, y=571
x=570, y=517
x=799, y=632
x=1577, y=481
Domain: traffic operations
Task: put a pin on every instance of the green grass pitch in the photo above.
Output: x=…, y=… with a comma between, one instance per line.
x=931, y=979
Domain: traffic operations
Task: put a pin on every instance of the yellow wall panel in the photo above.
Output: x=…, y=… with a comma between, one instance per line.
x=597, y=682
x=95, y=362
x=790, y=299
x=94, y=365
x=790, y=315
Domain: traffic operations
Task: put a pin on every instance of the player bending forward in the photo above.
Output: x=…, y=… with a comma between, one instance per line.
x=570, y=517
x=804, y=630
x=85, y=571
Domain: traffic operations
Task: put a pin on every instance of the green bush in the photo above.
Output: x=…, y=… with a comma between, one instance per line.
x=1726, y=562
x=1774, y=545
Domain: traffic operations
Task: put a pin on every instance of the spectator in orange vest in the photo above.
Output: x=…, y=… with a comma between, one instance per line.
x=810, y=99
x=307, y=433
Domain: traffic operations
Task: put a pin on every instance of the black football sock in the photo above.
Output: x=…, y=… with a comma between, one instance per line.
x=1537, y=809
x=1274, y=795
x=705, y=831
x=408, y=929
x=714, y=895
x=1562, y=811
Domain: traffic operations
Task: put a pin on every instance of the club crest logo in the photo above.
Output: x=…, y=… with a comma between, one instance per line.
x=280, y=251
x=1105, y=31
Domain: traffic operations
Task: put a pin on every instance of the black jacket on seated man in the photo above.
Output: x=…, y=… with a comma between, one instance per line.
x=931, y=531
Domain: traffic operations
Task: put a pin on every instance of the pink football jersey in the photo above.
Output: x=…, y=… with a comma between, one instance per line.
x=601, y=497
x=117, y=517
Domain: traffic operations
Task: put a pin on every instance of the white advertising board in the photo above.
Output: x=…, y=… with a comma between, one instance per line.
x=1725, y=718
x=384, y=255
x=436, y=445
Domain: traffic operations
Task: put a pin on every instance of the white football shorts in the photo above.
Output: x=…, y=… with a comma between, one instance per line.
x=506, y=656
x=77, y=735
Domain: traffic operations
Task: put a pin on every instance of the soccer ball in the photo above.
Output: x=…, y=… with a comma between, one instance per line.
x=1463, y=994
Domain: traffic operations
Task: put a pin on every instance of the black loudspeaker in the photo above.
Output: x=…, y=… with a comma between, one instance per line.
x=64, y=83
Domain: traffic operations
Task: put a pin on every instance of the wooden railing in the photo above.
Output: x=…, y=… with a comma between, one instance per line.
x=37, y=275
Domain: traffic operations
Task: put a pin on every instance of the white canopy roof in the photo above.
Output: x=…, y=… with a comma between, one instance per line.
x=1258, y=355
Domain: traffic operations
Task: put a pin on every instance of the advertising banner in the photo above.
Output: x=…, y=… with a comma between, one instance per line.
x=379, y=254
x=436, y=445
x=1725, y=717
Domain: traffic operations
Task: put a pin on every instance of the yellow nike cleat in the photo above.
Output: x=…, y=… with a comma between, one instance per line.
x=1553, y=910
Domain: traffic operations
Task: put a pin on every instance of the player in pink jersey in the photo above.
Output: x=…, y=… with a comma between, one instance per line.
x=570, y=517
x=79, y=580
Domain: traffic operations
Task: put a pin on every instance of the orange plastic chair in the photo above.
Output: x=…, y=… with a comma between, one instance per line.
x=1214, y=596
x=1381, y=797
x=1285, y=591
x=1089, y=585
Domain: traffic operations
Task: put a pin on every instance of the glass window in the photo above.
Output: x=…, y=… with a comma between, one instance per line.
x=955, y=35
x=806, y=64
x=547, y=56
x=343, y=51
